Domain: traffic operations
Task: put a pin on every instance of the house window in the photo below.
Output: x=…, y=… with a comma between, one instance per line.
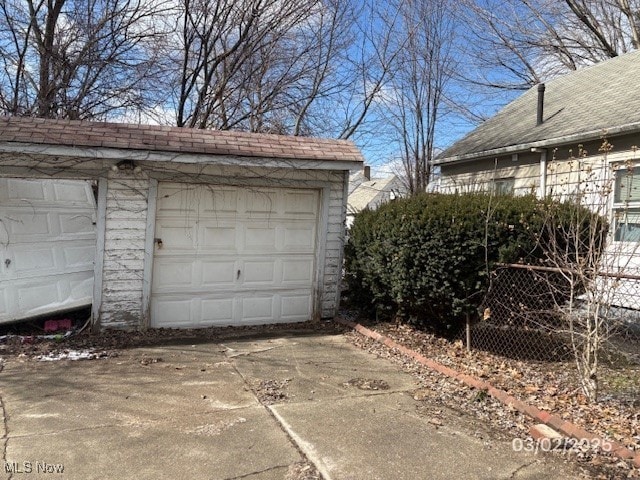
x=503, y=186
x=626, y=205
x=627, y=225
x=627, y=185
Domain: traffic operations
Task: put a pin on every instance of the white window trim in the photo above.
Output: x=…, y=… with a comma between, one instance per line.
x=618, y=208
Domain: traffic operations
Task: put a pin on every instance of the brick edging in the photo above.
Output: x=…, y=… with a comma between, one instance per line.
x=553, y=421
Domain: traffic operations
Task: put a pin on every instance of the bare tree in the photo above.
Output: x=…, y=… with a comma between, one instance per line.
x=302, y=67
x=76, y=58
x=515, y=44
x=416, y=91
x=368, y=66
x=240, y=62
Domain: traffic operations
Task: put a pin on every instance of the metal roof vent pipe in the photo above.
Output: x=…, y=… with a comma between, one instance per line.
x=540, y=115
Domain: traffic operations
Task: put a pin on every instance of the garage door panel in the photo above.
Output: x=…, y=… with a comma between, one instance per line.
x=31, y=297
x=179, y=200
x=172, y=311
x=176, y=237
x=301, y=204
x=18, y=189
x=299, y=238
x=28, y=223
x=75, y=223
x=27, y=259
x=218, y=311
x=256, y=271
x=79, y=256
x=261, y=201
x=174, y=273
x=219, y=238
x=296, y=307
x=219, y=274
x=297, y=271
x=69, y=192
x=220, y=201
x=253, y=258
x=260, y=238
x=258, y=309
x=81, y=286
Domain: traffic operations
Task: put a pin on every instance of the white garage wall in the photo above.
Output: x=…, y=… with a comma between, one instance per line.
x=125, y=222
x=124, y=249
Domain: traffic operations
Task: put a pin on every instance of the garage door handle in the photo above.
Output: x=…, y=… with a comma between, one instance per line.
x=7, y=262
x=158, y=241
x=238, y=275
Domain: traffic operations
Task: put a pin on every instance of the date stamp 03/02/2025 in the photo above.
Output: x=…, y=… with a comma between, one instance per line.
x=37, y=466
x=560, y=444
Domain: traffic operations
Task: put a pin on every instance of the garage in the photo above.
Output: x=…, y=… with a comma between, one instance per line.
x=193, y=228
x=233, y=255
x=47, y=246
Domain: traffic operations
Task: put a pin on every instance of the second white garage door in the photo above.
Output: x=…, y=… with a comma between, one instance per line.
x=47, y=246
x=233, y=255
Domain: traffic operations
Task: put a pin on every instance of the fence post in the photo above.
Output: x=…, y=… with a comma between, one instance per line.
x=468, y=332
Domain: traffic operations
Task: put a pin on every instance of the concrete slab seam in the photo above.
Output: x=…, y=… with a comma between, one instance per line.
x=5, y=434
x=293, y=438
x=305, y=448
x=546, y=418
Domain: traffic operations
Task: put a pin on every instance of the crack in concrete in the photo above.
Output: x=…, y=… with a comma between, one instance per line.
x=297, y=444
x=522, y=467
x=5, y=428
x=233, y=353
x=69, y=430
x=258, y=472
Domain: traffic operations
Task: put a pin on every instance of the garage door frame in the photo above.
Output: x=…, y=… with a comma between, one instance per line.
x=324, y=189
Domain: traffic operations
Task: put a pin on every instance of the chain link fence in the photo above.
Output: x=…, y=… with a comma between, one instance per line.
x=527, y=310
x=520, y=319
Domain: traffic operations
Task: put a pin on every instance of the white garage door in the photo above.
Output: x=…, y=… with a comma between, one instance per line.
x=47, y=246
x=233, y=255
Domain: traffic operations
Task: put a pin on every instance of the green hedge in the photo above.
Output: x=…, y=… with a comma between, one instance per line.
x=427, y=258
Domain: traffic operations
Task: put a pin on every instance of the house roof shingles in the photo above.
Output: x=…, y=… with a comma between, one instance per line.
x=76, y=133
x=588, y=103
x=367, y=192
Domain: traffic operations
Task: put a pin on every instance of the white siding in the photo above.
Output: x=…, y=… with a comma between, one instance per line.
x=122, y=276
x=478, y=176
x=334, y=246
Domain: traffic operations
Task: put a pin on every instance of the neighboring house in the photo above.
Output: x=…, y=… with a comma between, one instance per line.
x=193, y=228
x=365, y=192
x=548, y=141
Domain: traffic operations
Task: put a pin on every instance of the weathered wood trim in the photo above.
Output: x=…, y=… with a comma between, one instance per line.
x=345, y=198
x=98, y=268
x=149, y=245
x=174, y=157
x=321, y=250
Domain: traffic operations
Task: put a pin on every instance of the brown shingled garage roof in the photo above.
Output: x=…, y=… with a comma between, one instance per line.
x=74, y=133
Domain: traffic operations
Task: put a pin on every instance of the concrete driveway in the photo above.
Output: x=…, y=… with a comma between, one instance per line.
x=250, y=407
